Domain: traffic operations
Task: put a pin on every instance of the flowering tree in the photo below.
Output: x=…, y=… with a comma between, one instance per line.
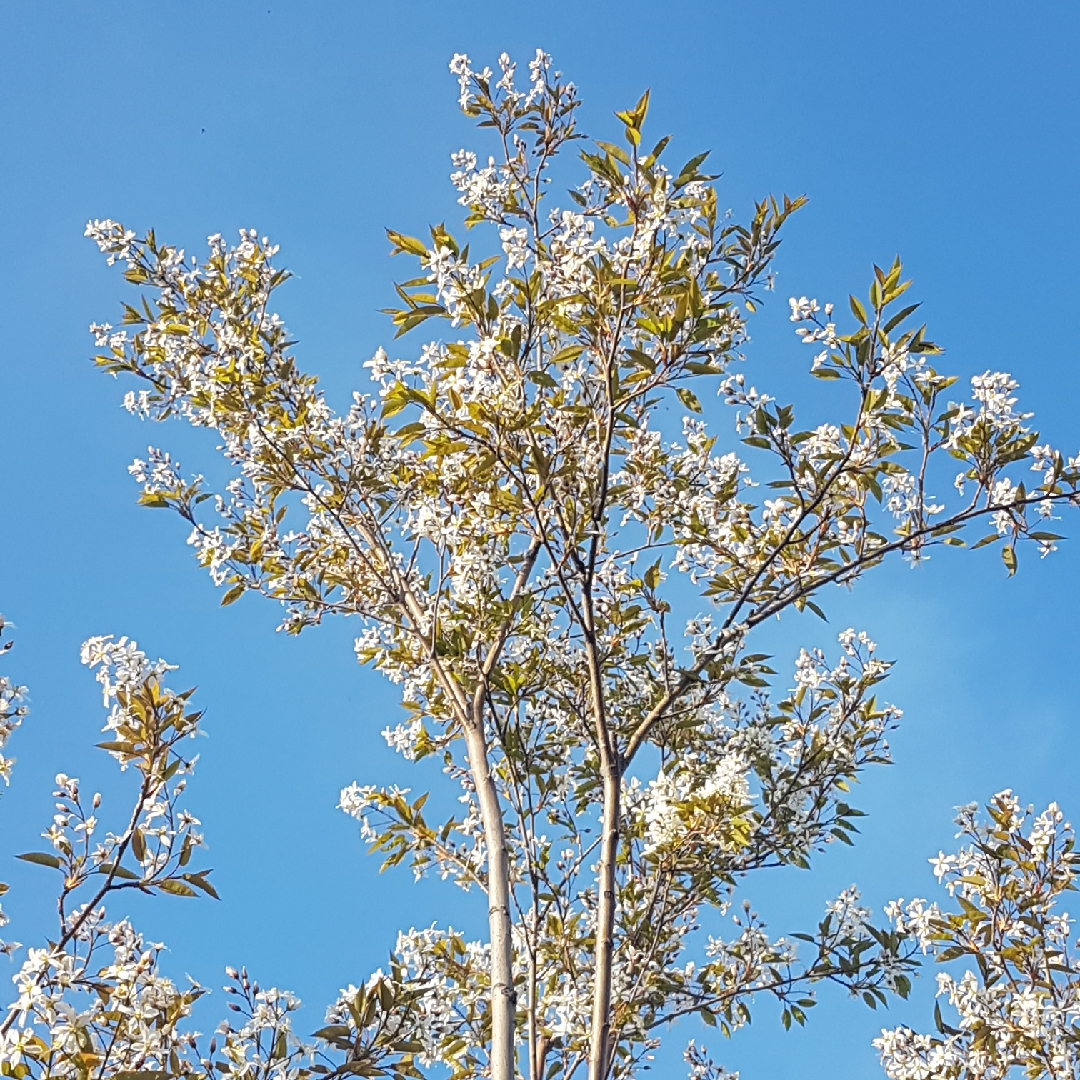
x=77, y=1013
x=502, y=516
x=1020, y=1008
x=93, y=1002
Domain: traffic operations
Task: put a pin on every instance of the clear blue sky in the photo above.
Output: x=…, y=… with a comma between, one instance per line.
x=946, y=132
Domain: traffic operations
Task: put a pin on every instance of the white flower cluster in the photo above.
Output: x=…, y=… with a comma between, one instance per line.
x=849, y=917
x=702, y=1067
x=804, y=310
x=691, y=491
x=122, y=1012
x=435, y=985
x=264, y=1045
x=122, y=667
x=539, y=67
x=386, y=818
x=692, y=799
x=112, y=240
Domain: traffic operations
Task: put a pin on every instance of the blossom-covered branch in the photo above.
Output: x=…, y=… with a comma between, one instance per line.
x=79, y=1013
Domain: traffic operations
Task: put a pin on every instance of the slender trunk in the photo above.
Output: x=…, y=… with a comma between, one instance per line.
x=533, y=1069
x=600, y=1045
x=611, y=777
x=536, y=1062
x=503, y=995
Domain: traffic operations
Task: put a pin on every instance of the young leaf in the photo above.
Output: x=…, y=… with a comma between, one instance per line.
x=42, y=858
x=688, y=398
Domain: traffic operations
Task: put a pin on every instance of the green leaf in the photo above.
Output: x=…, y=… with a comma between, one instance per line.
x=117, y=871
x=117, y=747
x=42, y=858
x=393, y=404
x=404, y=243
x=617, y=152
x=333, y=1031
x=688, y=399
x=233, y=595
x=689, y=170
x=651, y=577
x=571, y=352
x=899, y=317
x=177, y=888
x=200, y=882
x=634, y=118
x=658, y=149
x=1008, y=557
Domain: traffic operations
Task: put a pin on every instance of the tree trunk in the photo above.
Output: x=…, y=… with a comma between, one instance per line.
x=600, y=1045
x=503, y=995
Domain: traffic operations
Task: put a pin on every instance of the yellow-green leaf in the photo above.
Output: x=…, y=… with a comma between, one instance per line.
x=688, y=398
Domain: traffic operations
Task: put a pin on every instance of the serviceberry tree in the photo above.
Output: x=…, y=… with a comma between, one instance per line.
x=504, y=514
x=93, y=1000
x=1020, y=1008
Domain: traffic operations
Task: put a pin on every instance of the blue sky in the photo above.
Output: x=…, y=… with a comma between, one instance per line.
x=944, y=132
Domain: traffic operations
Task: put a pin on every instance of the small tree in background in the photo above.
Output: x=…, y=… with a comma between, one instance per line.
x=1020, y=1008
x=503, y=514
x=93, y=1001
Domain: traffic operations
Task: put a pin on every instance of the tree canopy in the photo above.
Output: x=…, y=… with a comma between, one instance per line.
x=566, y=589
